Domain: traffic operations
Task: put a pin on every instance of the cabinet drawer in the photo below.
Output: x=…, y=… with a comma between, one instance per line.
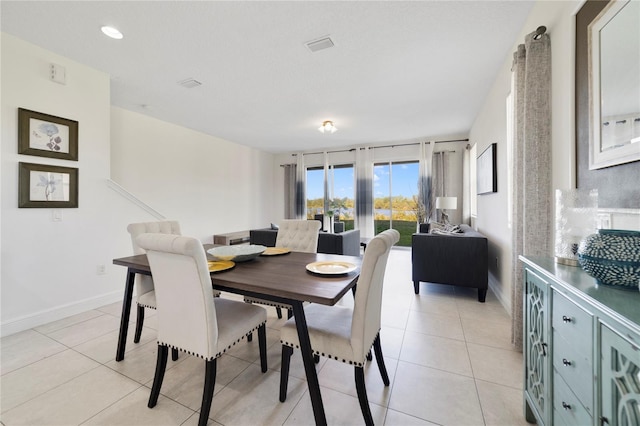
x=567, y=409
x=573, y=323
x=575, y=369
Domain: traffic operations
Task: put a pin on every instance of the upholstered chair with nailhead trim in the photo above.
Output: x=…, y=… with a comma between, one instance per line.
x=190, y=319
x=146, y=296
x=343, y=333
x=296, y=235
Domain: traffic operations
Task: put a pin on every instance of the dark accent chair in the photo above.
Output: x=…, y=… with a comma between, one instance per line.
x=455, y=259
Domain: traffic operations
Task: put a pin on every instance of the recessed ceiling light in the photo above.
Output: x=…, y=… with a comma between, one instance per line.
x=111, y=32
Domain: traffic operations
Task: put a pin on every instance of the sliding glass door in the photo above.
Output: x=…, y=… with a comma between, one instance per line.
x=395, y=195
x=339, y=197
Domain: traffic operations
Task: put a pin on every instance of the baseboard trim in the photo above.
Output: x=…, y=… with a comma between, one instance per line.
x=497, y=290
x=36, y=319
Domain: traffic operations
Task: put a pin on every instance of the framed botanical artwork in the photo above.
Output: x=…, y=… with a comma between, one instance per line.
x=45, y=186
x=45, y=135
x=487, y=179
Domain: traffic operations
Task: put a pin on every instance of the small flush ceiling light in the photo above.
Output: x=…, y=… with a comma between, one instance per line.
x=327, y=127
x=111, y=32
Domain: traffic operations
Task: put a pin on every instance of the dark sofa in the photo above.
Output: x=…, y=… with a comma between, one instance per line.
x=347, y=243
x=456, y=259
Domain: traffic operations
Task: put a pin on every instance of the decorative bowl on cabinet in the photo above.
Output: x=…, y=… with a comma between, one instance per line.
x=612, y=257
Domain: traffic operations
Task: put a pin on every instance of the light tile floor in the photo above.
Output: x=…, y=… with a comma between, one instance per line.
x=449, y=359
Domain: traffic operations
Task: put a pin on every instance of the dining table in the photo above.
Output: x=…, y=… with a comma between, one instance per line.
x=282, y=278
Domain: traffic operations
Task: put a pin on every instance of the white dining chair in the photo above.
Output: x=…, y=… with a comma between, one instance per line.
x=190, y=319
x=145, y=294
x=295, y=235
x=347, y=333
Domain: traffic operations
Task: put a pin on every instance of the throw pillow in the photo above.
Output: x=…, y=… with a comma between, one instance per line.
x=453, y=229
x=274, y=226
x=435, y=227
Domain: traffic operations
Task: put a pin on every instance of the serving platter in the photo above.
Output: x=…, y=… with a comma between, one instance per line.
x=237, y=253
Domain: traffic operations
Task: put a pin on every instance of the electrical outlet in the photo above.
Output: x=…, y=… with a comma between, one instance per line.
x=101, y=269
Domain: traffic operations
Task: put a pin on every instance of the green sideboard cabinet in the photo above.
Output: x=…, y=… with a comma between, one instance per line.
x=581, y=348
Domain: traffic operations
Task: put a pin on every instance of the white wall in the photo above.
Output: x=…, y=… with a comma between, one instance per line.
x=49, y=269
x=210, y=185
x=490, y=126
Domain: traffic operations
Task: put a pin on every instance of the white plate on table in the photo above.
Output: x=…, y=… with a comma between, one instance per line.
x=331, y=268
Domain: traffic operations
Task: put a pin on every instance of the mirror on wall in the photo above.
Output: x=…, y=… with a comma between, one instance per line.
x=614, y=71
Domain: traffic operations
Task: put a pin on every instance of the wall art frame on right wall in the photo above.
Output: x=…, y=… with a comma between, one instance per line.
x=487, y=176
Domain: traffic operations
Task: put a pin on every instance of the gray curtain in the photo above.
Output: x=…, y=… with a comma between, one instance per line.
x=364, y=193
x=300, y=197
x=439, y=181
x=289, y=191
x=531, y=229
x=426, y=201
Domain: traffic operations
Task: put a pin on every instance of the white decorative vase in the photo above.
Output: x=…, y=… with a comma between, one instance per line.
x=575, y=219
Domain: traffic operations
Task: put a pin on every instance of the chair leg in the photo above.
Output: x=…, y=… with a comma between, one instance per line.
x=207, y=394
x=287, y=351
x=362, y=396
x=377, y=347
x=174, y=354
x=139, y=323
x=482, y=294
x=416, y=287
x=369, y=356
x=262, y=342
x=161, y=365
x=250, y=337
x=289, y=313
x=279, y=312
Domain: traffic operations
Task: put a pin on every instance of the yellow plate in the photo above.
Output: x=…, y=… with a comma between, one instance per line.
x=274, y=251
x=220, y=265
x=331, y=268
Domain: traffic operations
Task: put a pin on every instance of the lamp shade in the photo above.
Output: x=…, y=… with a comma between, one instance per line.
x=447, y=203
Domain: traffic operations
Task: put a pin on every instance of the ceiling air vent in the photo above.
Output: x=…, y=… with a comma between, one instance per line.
x=319, y=44
x=189, y=83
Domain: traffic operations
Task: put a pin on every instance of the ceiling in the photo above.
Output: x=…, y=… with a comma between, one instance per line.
x=399, y=71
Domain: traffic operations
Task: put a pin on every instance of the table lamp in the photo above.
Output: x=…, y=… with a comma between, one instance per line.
x=446, y=203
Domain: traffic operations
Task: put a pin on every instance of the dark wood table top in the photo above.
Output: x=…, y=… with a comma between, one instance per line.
x=284, y=276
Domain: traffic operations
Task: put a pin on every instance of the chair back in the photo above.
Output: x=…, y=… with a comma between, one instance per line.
x=144, y=283
x=365, y=323
x=299, y=235
x=186, y=311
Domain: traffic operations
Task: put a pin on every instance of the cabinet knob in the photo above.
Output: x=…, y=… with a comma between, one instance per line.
x=566, y=406
x=566, y=362
x=566, y=319
x=544, y=349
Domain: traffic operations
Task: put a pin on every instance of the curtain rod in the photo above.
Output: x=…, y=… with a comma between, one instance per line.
x=383, y=146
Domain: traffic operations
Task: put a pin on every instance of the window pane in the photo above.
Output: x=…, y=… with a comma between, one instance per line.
x=343, y=193
x=381, y=197
x=315, y=191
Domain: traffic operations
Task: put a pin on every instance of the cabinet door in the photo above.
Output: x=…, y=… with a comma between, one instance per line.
x=620, y=372
x=537, y=359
